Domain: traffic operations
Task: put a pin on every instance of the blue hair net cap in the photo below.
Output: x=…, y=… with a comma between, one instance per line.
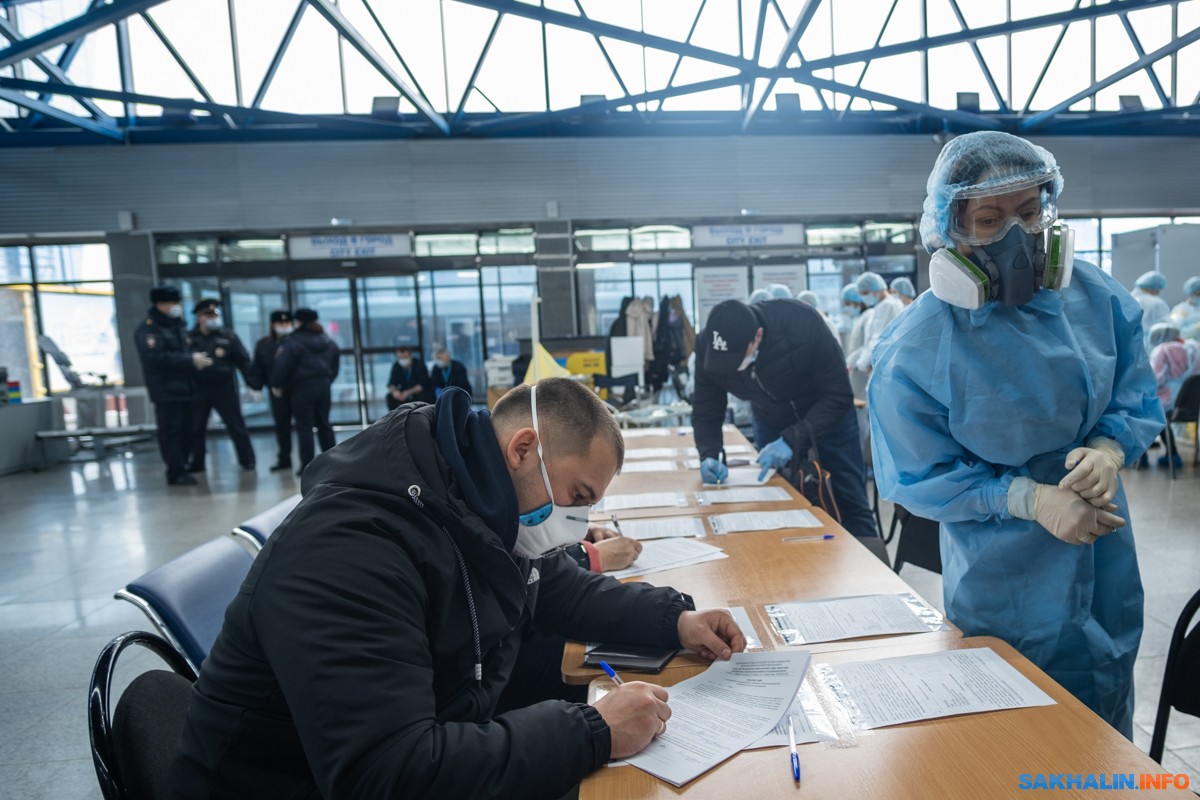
x=982, y=164
x=809, y=297
x=905, y=287
x=1163, y=332
x=779, y=292
x=759, y=295
x=1152, y=280
x=870, y=282
x=1192, y=285
x=850, y=294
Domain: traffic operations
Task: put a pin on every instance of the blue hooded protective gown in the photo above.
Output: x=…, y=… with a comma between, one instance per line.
x=964, y=401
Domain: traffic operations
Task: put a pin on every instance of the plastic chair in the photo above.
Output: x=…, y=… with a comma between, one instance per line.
x=259, y=528
x=186, y=598
x=920, y=542
x=1187, y=409
x=626, y=383
x=1181, y=689
x=132, y=747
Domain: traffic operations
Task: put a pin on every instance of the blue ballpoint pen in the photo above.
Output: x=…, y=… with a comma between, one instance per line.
x=611, y=673
x=795, y=755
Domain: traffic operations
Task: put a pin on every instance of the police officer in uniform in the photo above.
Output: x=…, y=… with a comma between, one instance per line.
x=217, y=387
x=259, y=378
x=170, y=366
x=305, y=368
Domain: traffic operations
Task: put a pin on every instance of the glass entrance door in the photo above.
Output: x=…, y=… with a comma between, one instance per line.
x=333, y=300
x=250, y=303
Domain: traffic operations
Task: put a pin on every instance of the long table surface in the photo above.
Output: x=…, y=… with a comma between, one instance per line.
x=761, y=567
x=970, y=756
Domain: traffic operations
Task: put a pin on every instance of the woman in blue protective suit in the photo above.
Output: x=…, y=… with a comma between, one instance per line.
x=1003, y=404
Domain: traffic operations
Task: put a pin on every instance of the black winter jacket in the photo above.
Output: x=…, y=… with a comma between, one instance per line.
x=415, y=375
x=259, y=375
x=799, y=374
x=458, y=377
x=225, y=349
x=166, y=355
x=304, y=356
x=346, y=664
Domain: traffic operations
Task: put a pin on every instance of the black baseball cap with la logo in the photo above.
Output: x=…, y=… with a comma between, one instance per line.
x=731, y=326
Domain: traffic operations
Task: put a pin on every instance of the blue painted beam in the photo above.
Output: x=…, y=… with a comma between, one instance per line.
x=47, y=110
x=966, y=118
x=351, y=35
x=597, y=28
x=1016, y=26
x=487, y=46
x=277, y=59
x=92, y=19
x=1150, y=73
x=789, y=46
x=1174, y=45
x=52, y=71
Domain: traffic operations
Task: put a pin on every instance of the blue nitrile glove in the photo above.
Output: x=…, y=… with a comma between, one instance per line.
x=713, y=471
x=775, y=455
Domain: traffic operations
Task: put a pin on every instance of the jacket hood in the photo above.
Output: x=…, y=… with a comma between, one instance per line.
x=313, y=342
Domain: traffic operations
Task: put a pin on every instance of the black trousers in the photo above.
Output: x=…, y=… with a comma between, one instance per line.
x=281, y=415
x=174, y=435
x=310, y=407
x=223, y=397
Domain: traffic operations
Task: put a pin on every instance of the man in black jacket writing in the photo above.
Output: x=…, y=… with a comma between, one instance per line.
x=371, y=645
x=780, y=355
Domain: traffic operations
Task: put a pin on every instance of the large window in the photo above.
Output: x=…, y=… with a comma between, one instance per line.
x=507, y=296
x=452, y=320
x=64, y=292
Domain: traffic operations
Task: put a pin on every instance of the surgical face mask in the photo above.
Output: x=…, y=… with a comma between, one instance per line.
x=748, y=360
x=175, y=312
x=1009, y=271
x=1194, y=299
x=870, y=299
x=212, y=323
x=443, y=364
x=851, y=311
x=548, y=526
x=282, y=330
x=405, y=363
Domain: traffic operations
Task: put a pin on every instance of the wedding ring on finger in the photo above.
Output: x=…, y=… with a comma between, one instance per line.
x=662, y=727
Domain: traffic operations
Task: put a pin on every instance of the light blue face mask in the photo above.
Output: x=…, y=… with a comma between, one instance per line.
x=870, y=300
x=542, y=530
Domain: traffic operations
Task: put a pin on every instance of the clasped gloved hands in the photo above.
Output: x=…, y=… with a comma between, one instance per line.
x=774, y=456
x=1062, y=512
x=1094, y=471
x=713, y=471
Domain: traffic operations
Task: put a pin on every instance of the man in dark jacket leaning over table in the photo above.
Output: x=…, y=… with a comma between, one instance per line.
x=372, y=641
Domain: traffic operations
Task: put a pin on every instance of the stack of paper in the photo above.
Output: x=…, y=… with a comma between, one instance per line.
x=648, y=466
x=808, y=718
x=833, y=619
x=662, y=528
x=618, y=502
x=892, y=691
x=664, y=554
x=743, y=476
x=763, y=521
x=651, y=452
x=721, y=711
x=765, y=494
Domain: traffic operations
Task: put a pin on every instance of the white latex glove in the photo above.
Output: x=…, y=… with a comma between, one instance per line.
x=201, y=361
x=1094, y=471
x=1071, y=518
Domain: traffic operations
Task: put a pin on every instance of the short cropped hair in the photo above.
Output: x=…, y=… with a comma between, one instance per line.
x=570, y=416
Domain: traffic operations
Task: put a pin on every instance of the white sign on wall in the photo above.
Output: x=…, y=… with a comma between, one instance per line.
x=349, y=245
x=793, y=276
x=717, y=284
x=757, y=235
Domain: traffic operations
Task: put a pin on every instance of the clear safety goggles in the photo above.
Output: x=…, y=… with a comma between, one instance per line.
x=984, y=216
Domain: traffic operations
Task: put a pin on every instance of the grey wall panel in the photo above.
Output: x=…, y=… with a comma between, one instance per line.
x=305, y=184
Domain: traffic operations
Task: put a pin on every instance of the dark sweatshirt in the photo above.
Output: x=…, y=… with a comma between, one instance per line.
x=346, y=664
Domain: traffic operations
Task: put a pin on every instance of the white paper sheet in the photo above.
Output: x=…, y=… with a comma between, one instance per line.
x=763, y=521
x=662, y=528
x=809, y=719
x=618, y=502
x=720, y=711
x=743, y=476
x=892, y=691
x=836, y=618
x=637, y=433
x=649, y=466
x=759, y=494
x=664, y=554
x=651, y=452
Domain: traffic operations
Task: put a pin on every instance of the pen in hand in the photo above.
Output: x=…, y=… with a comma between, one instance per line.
x=611, y=673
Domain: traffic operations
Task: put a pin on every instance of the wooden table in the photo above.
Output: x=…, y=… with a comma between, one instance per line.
x=970, y=756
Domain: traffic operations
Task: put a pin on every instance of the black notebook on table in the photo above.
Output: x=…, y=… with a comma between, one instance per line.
x=643, y=658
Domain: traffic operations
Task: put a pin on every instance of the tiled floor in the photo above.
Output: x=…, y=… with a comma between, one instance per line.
x=73, y=534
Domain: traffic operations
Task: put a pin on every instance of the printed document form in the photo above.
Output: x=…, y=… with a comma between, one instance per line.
x=910, y=688
x=722, y=710
x=662, y=527
x=832, y=619
x=617, y=502
x=664, y=554
x=765, y=494
x=763, y=521
x=741, y=476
